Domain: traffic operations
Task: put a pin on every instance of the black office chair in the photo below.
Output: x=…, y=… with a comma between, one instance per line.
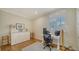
x=47, y=39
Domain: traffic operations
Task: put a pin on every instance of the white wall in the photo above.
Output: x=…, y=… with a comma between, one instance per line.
x=38, y=26
x=6, y=19
x=70, y=25
x=77, y=27
x=70, y=34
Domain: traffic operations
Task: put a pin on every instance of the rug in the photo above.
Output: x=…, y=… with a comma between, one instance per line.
x=38, y=47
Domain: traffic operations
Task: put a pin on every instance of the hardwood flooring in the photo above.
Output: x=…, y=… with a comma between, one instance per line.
x=20, y=46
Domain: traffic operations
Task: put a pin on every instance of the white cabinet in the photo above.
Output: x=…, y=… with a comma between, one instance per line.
x=19, y=37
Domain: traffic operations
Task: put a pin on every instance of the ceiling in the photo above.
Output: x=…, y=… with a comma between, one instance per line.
x=28, y=13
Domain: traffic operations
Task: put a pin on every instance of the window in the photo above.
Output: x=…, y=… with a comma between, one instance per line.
x=56, y=22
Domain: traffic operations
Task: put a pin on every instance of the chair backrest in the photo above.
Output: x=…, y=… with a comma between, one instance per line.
x=57, y=33
x=44, y=31
x=47, y=38
x=46, y=35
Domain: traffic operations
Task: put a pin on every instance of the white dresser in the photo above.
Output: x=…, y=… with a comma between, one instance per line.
x=19, y=37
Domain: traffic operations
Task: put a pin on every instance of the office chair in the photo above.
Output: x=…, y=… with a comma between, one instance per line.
x=47, y=39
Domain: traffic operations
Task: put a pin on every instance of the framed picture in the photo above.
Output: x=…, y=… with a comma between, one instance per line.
x=20, y=26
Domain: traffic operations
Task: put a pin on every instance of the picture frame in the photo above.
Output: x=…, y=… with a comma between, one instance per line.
x=20, y=26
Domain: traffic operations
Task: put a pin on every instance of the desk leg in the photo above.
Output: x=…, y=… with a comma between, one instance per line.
x=58, y=45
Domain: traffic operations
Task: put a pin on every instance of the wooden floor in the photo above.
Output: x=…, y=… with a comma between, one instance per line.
x=20, y=46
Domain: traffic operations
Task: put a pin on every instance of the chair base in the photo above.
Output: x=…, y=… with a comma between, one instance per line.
x=47, y=46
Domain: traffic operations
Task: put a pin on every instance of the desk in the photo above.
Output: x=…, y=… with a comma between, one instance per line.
x=58, y=40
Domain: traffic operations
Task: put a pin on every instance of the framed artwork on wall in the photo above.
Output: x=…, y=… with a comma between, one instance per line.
x=20, y=26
